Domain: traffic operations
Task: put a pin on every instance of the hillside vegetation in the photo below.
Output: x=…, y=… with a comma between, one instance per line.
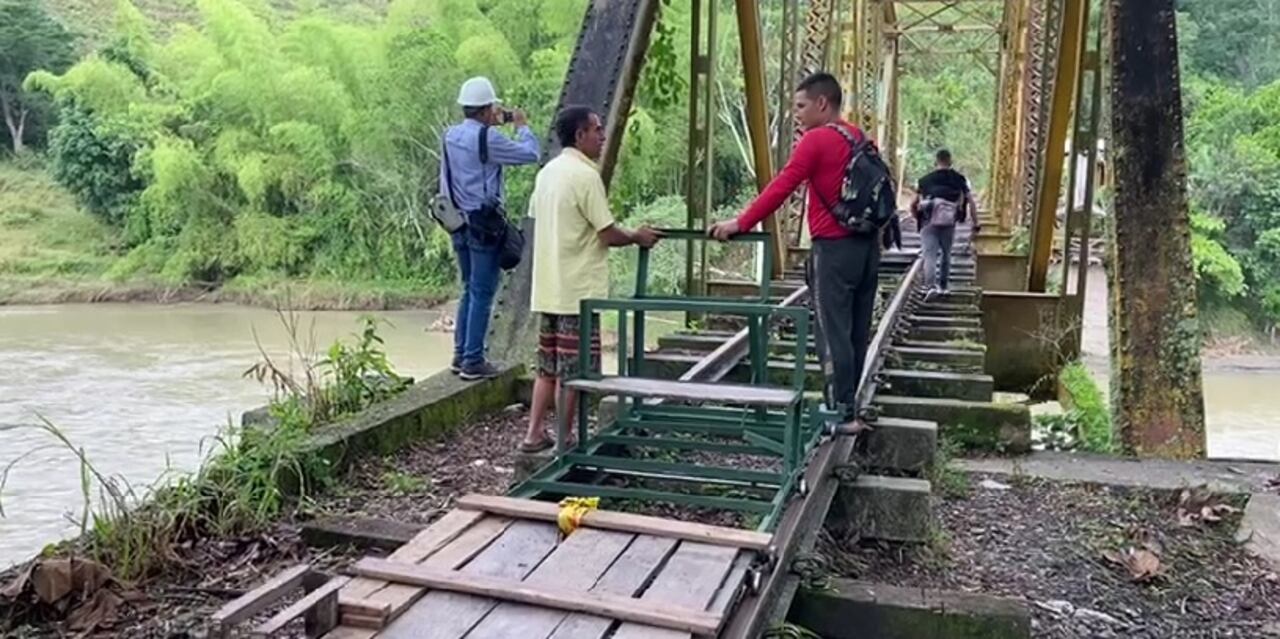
x=243, y=145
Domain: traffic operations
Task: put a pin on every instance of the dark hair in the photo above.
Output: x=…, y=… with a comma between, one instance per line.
x=569, y=121
x=825, y=85
x=943, y=156
x=474, y=111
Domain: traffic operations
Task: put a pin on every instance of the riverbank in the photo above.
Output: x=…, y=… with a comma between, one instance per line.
x=296, y=294
x=414, y=487
x=52, y=251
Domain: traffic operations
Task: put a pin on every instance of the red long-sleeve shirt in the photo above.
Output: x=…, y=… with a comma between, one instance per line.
x=820, y=159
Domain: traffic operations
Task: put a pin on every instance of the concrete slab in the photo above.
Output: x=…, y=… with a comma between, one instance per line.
x=974, y=346
x=945, y=333
x=898, y=444
x=949, y=310
x=975, y=425
x=1260, y=527
x=362, y=532
x=941, y=355
x=858, y=610
x=879, y=507
x=430, y=408
x=1165, y=474
x=937, y=320
x=923, y=383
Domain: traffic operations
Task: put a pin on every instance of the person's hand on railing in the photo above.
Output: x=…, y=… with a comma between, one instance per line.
x=647, y=236
x=724, y=230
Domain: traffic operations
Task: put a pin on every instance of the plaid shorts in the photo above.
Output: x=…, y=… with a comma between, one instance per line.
x=558, y=345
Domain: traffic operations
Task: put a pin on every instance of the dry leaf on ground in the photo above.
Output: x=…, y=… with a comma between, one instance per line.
x=1142, y=564
x=84, y=588
x=1199, y=505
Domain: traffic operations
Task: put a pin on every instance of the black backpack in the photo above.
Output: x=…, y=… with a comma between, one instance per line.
x=868, y=195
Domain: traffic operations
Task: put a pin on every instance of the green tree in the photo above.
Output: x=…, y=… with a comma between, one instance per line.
x=1235, y=40
x=30, y=40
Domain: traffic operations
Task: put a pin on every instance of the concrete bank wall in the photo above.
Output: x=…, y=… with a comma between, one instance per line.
x=1002, y=272
x=1026, y=338
x=428, y=409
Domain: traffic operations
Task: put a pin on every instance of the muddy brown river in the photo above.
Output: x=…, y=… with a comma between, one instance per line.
x=144, y=388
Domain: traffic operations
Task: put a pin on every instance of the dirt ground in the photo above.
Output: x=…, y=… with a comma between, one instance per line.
x=1081, y=555
x=1090, y=560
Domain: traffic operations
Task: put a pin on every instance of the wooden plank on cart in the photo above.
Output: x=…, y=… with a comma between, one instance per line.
x=486, y=589
x=732, y=586
x=449, y=615
x=625, y=522
x=472, y=542
x=576, y=564
x=397, y=597
x=433, y=538
x=257, y=600
x=320, y=606
x=691, y=578
x=627, y=576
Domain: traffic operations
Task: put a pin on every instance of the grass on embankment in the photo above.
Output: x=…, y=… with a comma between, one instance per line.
x=52, y=251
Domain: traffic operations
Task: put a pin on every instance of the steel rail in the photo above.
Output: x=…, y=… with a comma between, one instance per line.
x=797, y=530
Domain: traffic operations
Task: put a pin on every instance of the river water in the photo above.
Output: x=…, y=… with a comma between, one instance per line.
x=1241, y=393
x=143, y=388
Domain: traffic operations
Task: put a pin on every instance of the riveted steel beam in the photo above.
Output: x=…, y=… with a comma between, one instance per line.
x=1071, y=38
x=1158, y=401
x=758, y=117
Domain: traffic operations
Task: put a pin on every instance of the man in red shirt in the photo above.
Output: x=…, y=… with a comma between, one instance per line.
x=843, y=266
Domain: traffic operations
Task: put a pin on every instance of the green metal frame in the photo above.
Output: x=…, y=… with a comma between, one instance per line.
x=787, y=434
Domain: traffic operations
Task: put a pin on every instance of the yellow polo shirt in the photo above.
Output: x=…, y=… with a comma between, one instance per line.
x=569, y=208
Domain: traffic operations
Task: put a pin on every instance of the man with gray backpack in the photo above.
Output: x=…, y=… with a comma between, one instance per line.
x=470, y=207
x=943, y=199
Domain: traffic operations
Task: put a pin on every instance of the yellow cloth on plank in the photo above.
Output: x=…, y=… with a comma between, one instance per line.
x=572, y=510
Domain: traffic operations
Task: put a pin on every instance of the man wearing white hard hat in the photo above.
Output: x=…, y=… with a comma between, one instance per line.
x=473, y=155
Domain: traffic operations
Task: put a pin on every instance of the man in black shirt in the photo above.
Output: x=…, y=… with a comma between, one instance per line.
x=943, y=199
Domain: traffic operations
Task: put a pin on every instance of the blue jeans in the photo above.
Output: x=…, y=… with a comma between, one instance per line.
x=935, y=243
x=478, y=263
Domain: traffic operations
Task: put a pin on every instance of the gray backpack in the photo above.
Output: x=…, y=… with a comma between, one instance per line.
x=940, y=212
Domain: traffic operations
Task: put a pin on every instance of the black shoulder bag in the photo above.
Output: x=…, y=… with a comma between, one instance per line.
x=495, y=228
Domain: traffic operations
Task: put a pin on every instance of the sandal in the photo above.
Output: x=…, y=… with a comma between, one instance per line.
x=536, y=447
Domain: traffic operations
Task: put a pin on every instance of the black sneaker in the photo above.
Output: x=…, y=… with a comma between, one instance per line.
x=456, y=366
x=483, y=370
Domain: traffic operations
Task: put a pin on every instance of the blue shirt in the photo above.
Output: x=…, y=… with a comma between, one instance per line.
x=472, y=182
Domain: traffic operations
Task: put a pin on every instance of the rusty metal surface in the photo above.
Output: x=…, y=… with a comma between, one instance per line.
x=603, y=74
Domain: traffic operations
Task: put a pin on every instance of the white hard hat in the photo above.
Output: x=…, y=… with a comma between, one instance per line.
x=477, y=92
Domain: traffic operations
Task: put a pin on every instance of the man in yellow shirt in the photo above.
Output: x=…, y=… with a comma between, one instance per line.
x=573, y=231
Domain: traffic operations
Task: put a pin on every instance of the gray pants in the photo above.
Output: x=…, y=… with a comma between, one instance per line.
x=842, y=277
x=935, y=242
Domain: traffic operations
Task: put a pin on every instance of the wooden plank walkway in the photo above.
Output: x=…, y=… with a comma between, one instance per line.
x=683, y=577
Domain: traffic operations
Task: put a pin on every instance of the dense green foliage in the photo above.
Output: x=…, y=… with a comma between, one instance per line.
x=946, y=102
x=251, y=144
x=1231, y=55
x=30, y=40
x=1085, y=424
x=235, y=147
x=1088, y=413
